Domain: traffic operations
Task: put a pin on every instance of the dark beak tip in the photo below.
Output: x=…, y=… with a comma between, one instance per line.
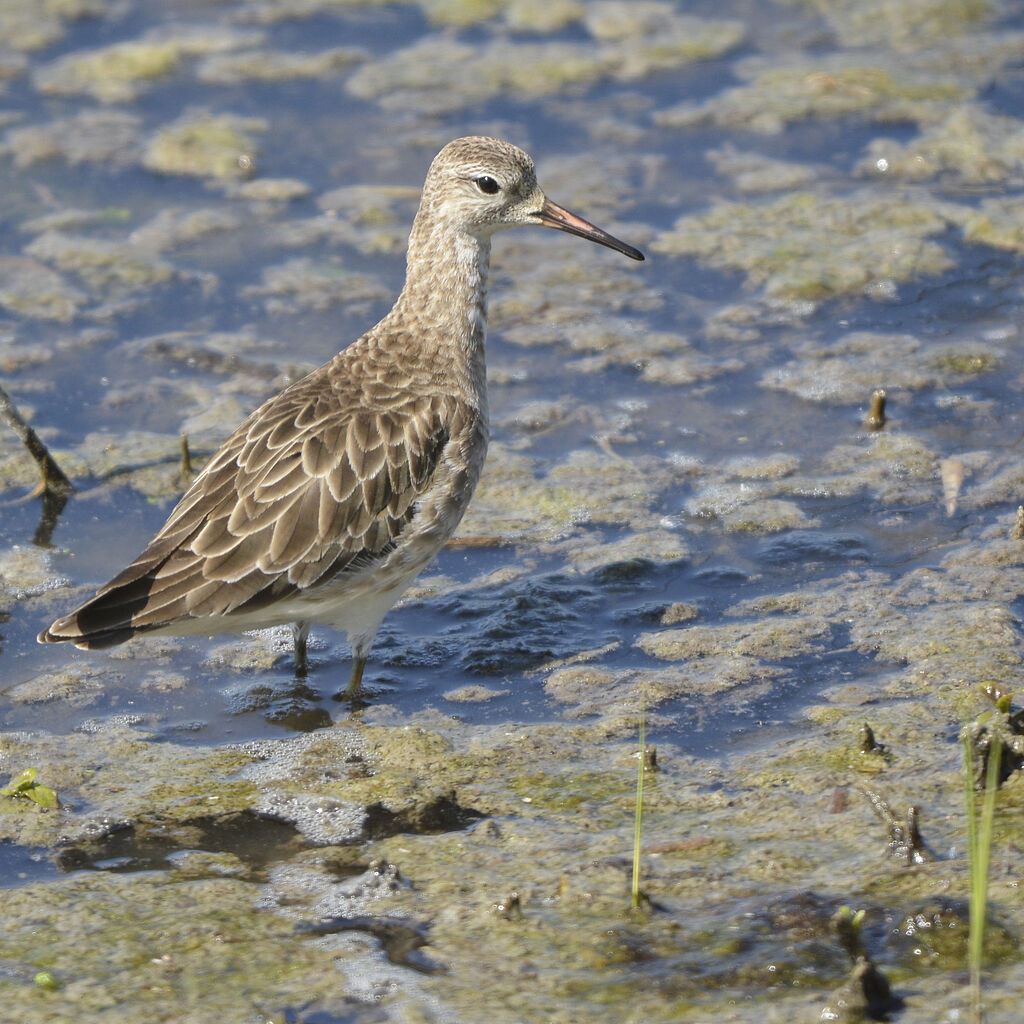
x=553, y=216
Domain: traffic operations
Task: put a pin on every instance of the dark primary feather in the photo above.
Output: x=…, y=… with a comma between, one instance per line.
x=316, y=482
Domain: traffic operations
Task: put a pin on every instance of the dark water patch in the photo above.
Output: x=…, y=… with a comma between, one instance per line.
x=294, y=706
x=442, y=813
x=101, y=29
x=980, y=288
x=388, y=26
x=21, y=865
x=650, y=614
x=255, y=841
x=719, y=576
x=935, y=933
x=399, y=941
x=423, y=652
x=102, y=529
x=768, y=947
x=361, y=1013
x=840, y=143
x=739, y=722
x=515, y=626
x=802, y=546
x=20, y=512
x=1006, y=96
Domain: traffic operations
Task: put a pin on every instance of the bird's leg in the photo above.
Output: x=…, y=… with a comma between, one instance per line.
x=355, y=680
x=300, y=630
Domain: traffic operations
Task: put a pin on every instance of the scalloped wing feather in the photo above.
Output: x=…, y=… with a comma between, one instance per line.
x=303, y=490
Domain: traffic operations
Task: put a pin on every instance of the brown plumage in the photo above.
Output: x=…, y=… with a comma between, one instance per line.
x=330, y=498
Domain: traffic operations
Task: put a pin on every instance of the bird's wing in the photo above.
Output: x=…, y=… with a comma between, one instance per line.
x=309, y=486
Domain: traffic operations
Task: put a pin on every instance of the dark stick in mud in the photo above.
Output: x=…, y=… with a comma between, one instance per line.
x=53, y=479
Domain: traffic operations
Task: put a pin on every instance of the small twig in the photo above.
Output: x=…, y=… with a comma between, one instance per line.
x=905, y=840
x=1017, y=533
x=53, y=479
x=186, y=457
x=875, y=418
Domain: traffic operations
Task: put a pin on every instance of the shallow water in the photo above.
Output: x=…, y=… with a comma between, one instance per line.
x=683, y=509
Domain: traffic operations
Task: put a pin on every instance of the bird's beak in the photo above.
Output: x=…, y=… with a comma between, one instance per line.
x=552, y=215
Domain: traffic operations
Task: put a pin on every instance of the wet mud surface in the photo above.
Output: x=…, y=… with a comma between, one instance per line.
x=686, y=512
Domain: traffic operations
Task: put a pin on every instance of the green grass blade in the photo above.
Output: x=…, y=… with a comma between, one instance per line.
x=979, y=848
x=638, y=819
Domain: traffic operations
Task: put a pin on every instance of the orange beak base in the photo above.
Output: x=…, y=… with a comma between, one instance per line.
x=554, y=216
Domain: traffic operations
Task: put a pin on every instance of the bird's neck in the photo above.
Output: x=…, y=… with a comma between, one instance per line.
x=445, y=301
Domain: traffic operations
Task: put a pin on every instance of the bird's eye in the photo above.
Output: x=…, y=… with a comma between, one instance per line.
x=487, y=185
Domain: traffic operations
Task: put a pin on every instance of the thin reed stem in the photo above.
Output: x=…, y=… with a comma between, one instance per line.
x=638, y=819
x=979, y=848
